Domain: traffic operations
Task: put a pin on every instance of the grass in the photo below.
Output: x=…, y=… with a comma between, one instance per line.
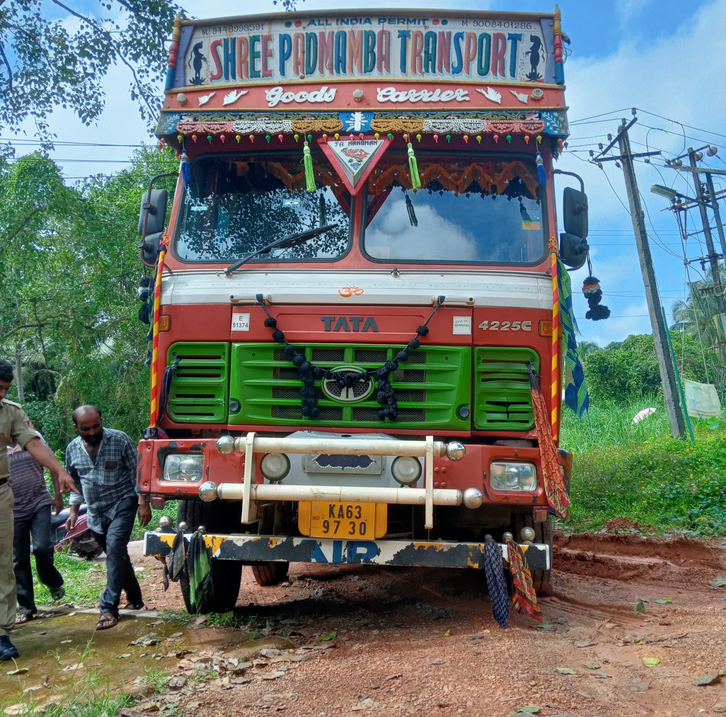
x=84, y=581
x=639, y=472
x=216, y=619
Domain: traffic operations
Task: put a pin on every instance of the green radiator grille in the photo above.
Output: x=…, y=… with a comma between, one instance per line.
x=198, y=391
x=502, y=398
x=429, y=387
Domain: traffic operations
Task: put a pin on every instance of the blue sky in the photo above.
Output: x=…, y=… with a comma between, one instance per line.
x=660, y=56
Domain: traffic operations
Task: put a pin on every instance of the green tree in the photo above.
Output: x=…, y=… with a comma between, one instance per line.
x=56, y=53
x=629, y=370
x=68, y=292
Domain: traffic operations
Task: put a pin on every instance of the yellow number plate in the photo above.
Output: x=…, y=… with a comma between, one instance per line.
x=353, y=521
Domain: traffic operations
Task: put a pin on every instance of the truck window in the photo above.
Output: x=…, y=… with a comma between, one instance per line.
x=237, y=204
x=469, y=209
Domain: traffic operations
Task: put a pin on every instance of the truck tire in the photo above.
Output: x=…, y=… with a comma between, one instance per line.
x=542, y=534
x=271, y=572
x=226, y=574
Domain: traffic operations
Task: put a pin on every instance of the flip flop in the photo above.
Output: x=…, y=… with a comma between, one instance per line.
x=57, y=594
x=106, y=621
x=22, y=618
x=132, y=606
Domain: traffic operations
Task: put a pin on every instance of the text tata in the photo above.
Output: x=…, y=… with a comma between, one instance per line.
x=364, y=52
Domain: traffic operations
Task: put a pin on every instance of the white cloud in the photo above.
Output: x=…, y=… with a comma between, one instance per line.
x=627, y=9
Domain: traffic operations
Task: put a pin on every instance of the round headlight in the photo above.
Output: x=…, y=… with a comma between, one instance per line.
x=511, y=475
x=275, y=466
x=406, y=470
x=225, y=445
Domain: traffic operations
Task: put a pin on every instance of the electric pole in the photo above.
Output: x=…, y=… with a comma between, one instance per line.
x=657, y=322
x=713, y=257
x=716, y=213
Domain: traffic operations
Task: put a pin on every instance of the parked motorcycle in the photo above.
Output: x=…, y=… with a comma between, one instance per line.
x=80, y=540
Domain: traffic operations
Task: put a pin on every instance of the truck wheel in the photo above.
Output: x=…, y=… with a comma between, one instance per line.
x=226, y=574
x=542, y=534
x=270, y=572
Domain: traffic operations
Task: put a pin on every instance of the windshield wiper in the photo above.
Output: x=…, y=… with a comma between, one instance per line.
x=284, y=243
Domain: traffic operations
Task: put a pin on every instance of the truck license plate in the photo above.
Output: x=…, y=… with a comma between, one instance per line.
x=342, y=520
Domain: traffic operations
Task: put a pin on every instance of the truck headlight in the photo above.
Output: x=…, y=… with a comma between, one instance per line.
x=275, y=466
x=188, y=467
x=514, y=476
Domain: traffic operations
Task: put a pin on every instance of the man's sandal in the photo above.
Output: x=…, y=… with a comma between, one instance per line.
x=106, y=621
x=57, y=594
x=23, y=617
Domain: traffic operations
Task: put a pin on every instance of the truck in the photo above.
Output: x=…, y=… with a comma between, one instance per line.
x=357, y=352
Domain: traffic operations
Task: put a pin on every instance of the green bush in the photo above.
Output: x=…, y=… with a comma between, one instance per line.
x=669, y=484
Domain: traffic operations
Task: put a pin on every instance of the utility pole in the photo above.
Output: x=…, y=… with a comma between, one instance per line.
x=713, y=257
x=660, y=338
x=716, y=213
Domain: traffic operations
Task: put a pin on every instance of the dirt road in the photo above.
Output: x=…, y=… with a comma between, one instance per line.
x=423, y=642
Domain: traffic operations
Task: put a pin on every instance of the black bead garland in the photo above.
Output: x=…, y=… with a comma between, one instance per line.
x=309, y=373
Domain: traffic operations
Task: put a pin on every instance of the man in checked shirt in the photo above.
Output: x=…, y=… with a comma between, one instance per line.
x=102, y=461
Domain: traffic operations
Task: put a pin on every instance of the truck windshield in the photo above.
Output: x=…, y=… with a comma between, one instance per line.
x=472, y=209
x=235, y=205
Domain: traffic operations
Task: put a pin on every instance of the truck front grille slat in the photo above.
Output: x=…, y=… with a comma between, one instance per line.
x=268, y=386
x=502, y=396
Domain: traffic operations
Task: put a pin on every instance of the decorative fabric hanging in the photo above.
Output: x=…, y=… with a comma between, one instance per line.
x=308, y=165
x=200, y=572
x=552, y=472
x=413, y=167
x=524, y=593
x=496, y=584
x=577, y=398
x=309, y=373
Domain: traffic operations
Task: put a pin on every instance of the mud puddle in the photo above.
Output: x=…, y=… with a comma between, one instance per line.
x=64, y=655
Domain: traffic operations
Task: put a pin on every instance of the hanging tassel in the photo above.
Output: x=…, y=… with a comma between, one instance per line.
x=593, y=293
x=411, y=212
x=413, y=167
x=186, y=169
x=541, y=174
x=308, y=164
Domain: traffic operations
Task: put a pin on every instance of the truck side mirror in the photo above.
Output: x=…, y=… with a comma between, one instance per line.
x=573, y=250
x=574, y=210
x=150, y=248
x=153, y=207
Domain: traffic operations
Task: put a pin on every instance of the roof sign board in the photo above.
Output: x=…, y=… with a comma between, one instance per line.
x=490, y=48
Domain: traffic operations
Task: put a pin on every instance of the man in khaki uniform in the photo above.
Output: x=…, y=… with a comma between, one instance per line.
x=15, y=426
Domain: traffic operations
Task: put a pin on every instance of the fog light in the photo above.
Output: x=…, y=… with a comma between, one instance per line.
x=473, y=498
x=225, y=445
x=406, y=470
x=208, y=491
x=275, y=466
x=455, y=451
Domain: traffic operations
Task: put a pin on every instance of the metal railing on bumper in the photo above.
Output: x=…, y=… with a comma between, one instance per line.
x=250, y=492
